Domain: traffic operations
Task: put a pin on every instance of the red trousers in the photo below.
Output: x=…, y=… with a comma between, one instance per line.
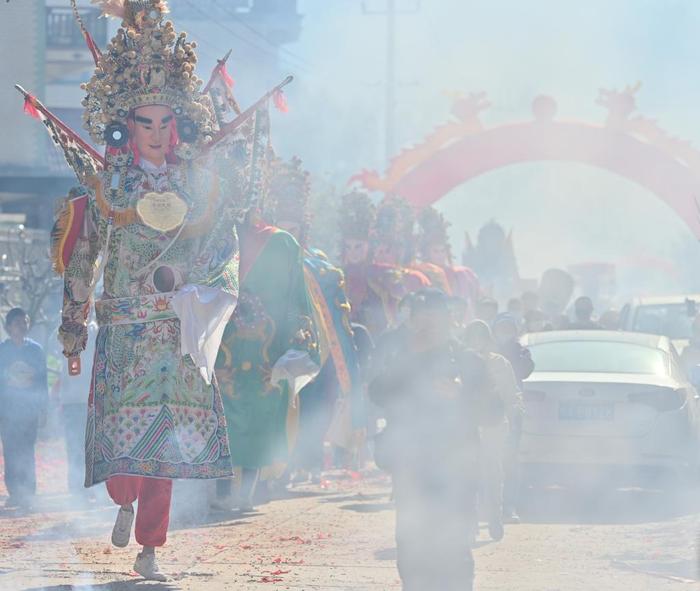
x=153, y=510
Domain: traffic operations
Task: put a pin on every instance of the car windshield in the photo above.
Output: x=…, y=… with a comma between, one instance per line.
x=671, y=320
x=598, y=357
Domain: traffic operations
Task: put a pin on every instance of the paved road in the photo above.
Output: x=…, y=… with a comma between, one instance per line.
x=339, y=535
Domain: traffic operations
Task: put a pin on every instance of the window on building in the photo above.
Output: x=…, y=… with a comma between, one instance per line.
x=62, y=32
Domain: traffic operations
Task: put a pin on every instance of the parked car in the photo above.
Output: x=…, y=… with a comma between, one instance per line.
x=671, y=316
x=609, y=398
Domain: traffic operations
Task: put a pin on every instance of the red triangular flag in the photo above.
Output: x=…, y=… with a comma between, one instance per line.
x=280, y=101
x=30, y=107
x=226, y=76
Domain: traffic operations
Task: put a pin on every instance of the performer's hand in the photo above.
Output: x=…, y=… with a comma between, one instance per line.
x=74, y=365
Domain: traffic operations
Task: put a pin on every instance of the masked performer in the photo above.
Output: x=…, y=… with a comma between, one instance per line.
x=374, y=288
x=392, y=247
x=268, y=354
x=335, y=393
x=356, y=221
x=436, y=254
x=157, y=221
x=393, y=241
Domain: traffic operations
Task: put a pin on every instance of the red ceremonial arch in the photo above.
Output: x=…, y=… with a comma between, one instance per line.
x=634, y=147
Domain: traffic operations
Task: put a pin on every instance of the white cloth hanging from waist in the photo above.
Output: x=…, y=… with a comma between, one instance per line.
x=203, y=312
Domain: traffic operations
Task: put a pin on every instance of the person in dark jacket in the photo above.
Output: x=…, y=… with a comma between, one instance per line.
x=23, y=403
x=583, y=313
x=433, y=392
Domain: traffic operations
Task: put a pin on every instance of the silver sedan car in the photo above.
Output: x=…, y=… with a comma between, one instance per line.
x=604, y=398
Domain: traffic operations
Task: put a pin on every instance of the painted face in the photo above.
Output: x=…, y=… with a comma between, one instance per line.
x=355, y=251
x=150, y=130
x=437, y=254
x=384, y=253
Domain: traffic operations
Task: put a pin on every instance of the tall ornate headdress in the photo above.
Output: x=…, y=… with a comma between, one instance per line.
x=146, y=63
x=394, y=226
x=288, y=194
x=357, y=215
x=433, y=230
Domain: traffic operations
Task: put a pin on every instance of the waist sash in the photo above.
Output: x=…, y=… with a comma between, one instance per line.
x=135, y=309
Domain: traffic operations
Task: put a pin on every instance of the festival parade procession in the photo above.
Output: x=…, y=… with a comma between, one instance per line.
x=288, y=301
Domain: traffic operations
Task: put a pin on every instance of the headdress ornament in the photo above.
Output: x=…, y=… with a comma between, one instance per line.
x=288, y=192
x=433, y=230
x=146, y=63
x=357, y=215
x=394, y=225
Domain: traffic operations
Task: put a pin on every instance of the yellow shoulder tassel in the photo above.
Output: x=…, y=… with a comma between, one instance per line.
x=59, y=234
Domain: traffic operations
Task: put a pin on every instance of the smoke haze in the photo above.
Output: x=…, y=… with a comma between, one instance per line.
x=513, y=51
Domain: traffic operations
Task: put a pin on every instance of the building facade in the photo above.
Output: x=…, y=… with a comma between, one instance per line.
x=46, y=55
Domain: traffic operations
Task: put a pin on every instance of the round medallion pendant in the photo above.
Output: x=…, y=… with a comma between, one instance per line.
x=164, y=279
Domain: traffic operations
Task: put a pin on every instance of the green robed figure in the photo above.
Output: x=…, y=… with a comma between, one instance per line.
x=268, y=353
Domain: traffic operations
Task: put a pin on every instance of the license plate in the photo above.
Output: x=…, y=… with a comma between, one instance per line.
x=586, y=412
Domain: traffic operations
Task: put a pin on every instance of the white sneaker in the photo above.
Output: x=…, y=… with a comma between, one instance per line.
x=147, y=567
x=122, y=528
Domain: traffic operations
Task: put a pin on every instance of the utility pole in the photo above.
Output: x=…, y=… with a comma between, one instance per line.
x=389, y=122
x=390, y=77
